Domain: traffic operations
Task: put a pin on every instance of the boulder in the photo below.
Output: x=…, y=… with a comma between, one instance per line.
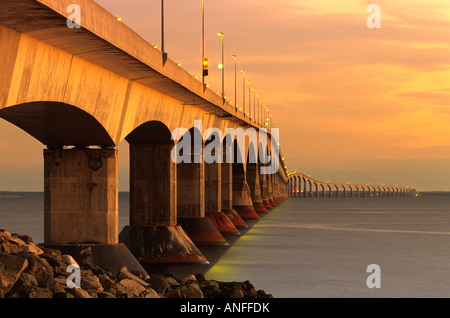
x=11, y=267
x=131, y=287
x=125, y=274
x=90, y=282
x=191, y=291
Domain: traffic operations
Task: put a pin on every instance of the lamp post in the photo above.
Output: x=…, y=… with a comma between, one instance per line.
x=243, y=91
x=256, y=112
x=235, y=74
x=254, y=103
x=203, y=42
x=249, y=99
x=222, y=66
x=162, y=25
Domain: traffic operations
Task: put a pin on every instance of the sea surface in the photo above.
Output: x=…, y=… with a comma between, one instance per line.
x=312, y=247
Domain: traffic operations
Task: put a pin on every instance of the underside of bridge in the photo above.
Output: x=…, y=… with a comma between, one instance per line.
x=80, y=92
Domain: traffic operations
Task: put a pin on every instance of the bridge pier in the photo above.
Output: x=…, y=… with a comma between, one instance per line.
x=81, y=207
x=242, y=197
x=264, y=191
x=191, y=203
x=153, y=235
x=213, y=199
x=270, y=190
x=255, y=187
x=227, y=196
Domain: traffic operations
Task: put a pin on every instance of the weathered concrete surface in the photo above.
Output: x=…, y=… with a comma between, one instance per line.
x=255, y=188
x=80, y=196
x=161, y=244
x=242, y=197
x=153, y=185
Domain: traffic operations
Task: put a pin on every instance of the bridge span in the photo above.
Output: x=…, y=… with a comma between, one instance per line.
x=81, y=92
x=304, y=186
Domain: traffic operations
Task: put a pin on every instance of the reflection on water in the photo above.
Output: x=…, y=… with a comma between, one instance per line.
x=316, y=247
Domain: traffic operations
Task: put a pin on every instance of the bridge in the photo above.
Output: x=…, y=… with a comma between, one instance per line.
x=303, y=186
x=81, y=92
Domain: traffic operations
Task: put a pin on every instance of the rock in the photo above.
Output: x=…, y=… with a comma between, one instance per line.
x=210, y=289
x=54, y=260
x=57, y=285
x=38, y=267
x=106, y=282
x=161, y=283
x=90, y=282
x=32, y=248
x=105, y=294
x=150, y=293
x=5, y=234
x=189, y=278
x=125, y=274
x=27, y=287
x=13, y=239
x=69, y=260
x=79, y=293
x=132, y=287
x=11, y=266
x=25, y=238
x=191, y=291
x=173, y=294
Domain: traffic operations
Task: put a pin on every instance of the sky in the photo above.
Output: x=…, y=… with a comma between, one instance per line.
x=353, y=103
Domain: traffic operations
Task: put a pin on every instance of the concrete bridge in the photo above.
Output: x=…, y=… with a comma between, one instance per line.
x=304, y=186
x=80, y=92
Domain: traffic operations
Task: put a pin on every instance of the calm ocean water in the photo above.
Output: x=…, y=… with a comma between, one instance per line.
x=316, y=247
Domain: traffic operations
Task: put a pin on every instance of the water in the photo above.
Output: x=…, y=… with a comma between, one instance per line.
x=317, y=247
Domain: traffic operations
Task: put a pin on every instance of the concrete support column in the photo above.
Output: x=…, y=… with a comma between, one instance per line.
x=270, y=193
x=255, y=187
x=191, y=203
x=276, y=195
x=242, y=197
x=81, y=207
x=227, y=196
x=153, y=235
x=213, y=199
x=265, y=190
x=80, y=196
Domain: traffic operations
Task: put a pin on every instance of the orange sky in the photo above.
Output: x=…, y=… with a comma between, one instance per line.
x=352, y=103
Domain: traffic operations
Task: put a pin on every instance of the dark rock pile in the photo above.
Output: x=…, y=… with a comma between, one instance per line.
x=28, y=270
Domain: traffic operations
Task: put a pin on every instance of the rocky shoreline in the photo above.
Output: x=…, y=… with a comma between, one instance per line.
x=29, y=270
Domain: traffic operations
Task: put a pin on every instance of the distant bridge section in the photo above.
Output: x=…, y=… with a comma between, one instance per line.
x=303, y=186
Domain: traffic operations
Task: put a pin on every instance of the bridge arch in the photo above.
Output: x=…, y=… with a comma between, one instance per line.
x=57, y=124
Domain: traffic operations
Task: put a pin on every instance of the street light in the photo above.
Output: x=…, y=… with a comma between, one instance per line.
x=235, y=74
x=254, y=104
x=257, y=97
x=243, y=91
x=162, y=26
x=204, y=70
x=222, y=66
x=249, y=99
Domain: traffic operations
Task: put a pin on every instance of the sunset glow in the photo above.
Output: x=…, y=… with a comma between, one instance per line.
x=370, y=105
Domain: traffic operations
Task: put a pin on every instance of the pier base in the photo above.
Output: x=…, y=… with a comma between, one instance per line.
x=161, y=244
x=235, y=218
x=222, y=222
x=110, y=257
x=202, y=231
